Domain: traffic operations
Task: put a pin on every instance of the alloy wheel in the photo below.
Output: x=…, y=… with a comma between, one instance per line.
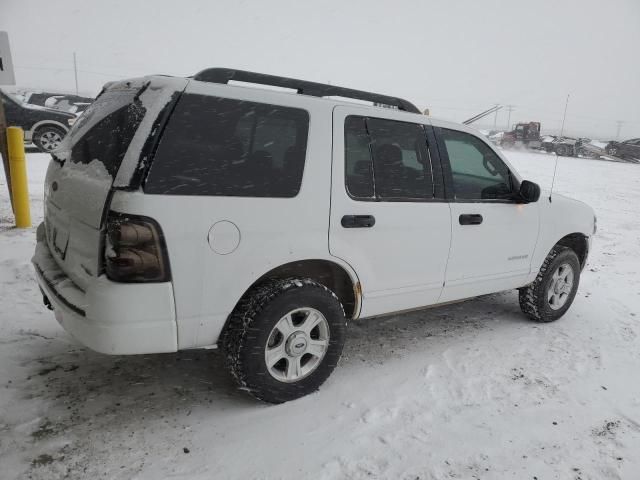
x=50, y=140
x=560, y=286
x=297, y=344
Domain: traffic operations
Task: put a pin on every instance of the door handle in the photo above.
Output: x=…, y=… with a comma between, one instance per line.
x=470, y=219
x=358, y=221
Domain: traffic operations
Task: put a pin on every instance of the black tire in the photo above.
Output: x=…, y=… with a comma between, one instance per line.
x=48, y=137
x=534, y=297
x=252, y=323
x=613, y=151
x=562, y=151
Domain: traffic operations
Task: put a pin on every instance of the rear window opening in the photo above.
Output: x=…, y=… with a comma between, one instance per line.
x=225, y=147
x=105, y=130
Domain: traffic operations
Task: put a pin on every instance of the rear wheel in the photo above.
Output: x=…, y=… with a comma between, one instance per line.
x=555, y=287
x=48, y=137
x=284, y=339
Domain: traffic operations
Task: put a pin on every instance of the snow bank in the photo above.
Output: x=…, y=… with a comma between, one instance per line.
x=471, y=390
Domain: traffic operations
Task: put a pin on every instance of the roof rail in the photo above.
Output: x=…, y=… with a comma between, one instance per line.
x=224, y=75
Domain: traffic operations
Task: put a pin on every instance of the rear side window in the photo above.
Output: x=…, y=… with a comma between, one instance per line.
x=226, y=147
x=386, y=160
x=105, y=130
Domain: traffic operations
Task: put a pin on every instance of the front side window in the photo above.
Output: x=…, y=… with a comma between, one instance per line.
x=478, y=173
x=227, y=147
x=386, y=160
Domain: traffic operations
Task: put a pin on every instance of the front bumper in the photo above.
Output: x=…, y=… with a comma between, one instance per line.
x=109, y=317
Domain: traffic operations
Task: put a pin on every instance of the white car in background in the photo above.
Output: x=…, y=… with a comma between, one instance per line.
x=187, y=213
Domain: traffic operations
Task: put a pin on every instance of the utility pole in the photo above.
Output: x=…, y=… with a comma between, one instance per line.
x=75, y=70
x=564, y=116
x=495, y=118
x=619, y=124
x=509, y=109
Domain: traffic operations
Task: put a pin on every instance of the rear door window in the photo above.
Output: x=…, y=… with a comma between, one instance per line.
x=387, y=160
x=227, y=147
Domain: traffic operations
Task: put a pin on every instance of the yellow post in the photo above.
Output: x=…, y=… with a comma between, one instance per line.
x=18, y=169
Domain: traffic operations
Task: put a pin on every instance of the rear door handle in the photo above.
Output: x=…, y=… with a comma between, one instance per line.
x=470, y=219
x=358, y=221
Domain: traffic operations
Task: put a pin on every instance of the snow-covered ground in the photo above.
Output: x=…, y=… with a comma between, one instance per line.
x=467, y=391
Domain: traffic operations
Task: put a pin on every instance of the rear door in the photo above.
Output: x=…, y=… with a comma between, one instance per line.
x=493, y=237
x=388, y=218
x=84, y=167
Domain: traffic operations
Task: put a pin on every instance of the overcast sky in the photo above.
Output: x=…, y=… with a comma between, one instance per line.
x=455, y=57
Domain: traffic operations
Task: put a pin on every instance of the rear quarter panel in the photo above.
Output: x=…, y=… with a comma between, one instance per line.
x=273, y=231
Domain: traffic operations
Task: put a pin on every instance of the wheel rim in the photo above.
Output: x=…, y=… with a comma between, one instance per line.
x=560, y=286
x=50, y=140
x=297, y=344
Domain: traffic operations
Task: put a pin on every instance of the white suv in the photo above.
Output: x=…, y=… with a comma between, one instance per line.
x=189, y=212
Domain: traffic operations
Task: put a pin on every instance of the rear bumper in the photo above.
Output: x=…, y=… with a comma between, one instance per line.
x=109, y=317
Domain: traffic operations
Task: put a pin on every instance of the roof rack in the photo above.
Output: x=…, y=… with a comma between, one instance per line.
x=224, y=75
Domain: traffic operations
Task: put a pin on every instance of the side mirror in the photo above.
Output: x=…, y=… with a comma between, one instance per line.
x=529, y=192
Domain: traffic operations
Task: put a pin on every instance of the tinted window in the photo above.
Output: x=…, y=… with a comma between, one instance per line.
x=359, y=164
x=219, y=146
x=478, y=173
x=386, y=159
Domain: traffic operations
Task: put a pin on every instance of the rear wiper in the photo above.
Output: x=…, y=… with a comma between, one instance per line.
x=57, y=159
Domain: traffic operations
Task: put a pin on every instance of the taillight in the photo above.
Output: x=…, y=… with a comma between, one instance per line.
x=135, y=250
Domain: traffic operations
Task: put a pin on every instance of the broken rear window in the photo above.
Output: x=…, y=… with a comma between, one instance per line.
x=105, y=130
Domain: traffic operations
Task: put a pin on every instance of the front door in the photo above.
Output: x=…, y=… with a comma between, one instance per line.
x=493, y=237
x=389, y=220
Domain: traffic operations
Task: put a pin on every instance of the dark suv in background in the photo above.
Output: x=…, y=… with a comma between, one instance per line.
x=626, y=149
x=44, y=127
x=59, y=101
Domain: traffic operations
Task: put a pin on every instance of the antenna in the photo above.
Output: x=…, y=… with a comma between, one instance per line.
x=75, y=70
x=555, y=169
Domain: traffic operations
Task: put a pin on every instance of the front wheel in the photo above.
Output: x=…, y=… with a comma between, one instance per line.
x=48, y=137
x=562, y=150
x=284, y=339
x=552, y=292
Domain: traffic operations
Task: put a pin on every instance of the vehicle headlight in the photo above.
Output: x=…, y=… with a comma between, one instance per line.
x=71, y=121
